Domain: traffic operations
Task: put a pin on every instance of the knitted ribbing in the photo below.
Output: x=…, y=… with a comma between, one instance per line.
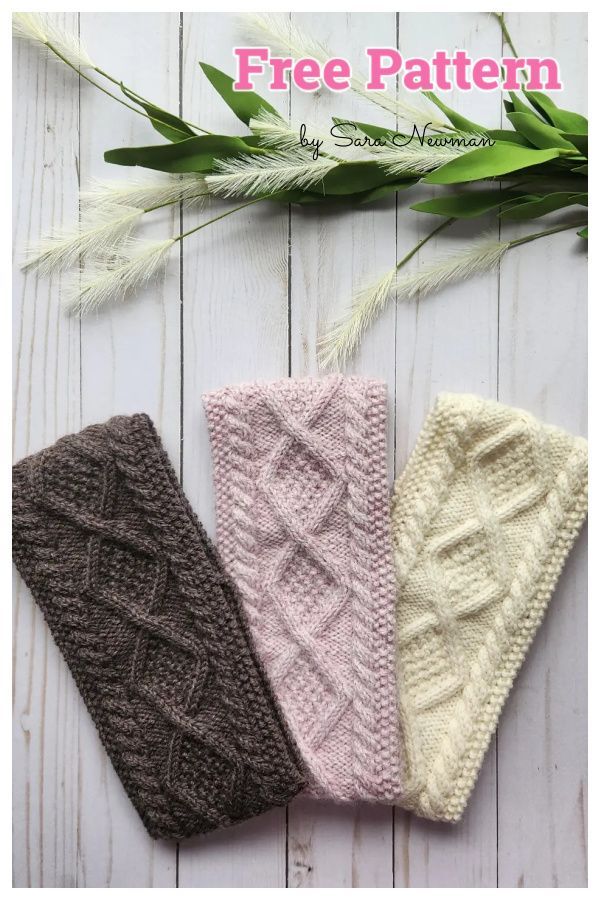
x=152, y=630
x=483, y=518
x=303, y=527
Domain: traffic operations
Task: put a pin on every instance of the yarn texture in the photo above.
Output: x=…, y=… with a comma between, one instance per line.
x=303, y=528
x=483, y=519
x=152, y=630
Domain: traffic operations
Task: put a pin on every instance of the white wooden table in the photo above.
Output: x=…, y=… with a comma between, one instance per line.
x=247, y=301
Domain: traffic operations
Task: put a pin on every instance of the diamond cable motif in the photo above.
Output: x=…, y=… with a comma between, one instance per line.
x=300, y=539
x=130, y=588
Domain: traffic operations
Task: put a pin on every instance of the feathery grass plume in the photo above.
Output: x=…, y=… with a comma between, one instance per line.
x=101, y=229
x=338, y=345
x=412, y=157
x=114, y=277
x=273, y=131
x=284, y=37
x=40, y=29
x=146, y=193
x=252, y=175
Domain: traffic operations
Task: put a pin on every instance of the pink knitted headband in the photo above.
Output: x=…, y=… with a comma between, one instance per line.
x=303, y=528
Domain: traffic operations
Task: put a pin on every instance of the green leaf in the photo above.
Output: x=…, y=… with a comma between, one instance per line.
x=196, y=154
x=539, y=107
x=355, y=177
x=254, y=140
x=384, y=189
x=578, y=140
x=360, y=198
x=508, y=137
x=245, y=104
x=466, y=206
x=581, y=199
x=298, y=196
x=365, y=181
x=582, y=169
x=583, y=233
x=539, y=133
x=455, y=118
x=541, y=206
x=518, y=106
x=562, y=118
x=489, y=162
x=167, y=124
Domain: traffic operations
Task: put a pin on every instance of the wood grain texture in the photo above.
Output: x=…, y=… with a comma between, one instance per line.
x=235, y=294
x=542, y=367
x=129, y=363
x=448, y=343
x=46, y=705
x=248, y=300
x=332, y=253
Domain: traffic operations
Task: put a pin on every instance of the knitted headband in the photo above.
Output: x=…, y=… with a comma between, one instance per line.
x=483, y=519
x=303, y=527
x=150, y=626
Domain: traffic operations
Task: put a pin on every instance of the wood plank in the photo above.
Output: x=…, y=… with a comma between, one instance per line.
x=129, y=363
x=46, y=405
x=234, y=329
x=333, y=253
x=447, y=342
x=73, y=824
x=542, y=774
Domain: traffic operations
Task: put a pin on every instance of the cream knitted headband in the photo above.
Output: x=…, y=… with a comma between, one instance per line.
x=303, y=527
x=483, y=518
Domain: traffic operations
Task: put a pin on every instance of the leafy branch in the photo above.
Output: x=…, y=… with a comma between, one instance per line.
x=541, y=160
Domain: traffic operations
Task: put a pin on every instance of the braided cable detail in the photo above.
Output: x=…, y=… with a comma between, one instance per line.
x=377, y=747
x=152, y=630
x=311, y=479
x=557, y=492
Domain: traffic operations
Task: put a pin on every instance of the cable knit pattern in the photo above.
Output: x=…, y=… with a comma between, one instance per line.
x=483, y=518
x=303, y=527
x=152, y=630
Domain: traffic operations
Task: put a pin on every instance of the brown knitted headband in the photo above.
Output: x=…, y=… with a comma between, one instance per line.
x=151, y=628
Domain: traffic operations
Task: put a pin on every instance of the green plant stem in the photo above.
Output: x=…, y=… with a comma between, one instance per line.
x=422, y=242
x=228, y=212
x=108, y=93
x=506, y=33
x=516, y=242
x=150, y=209
x=508, y=39
x=120, y=84
x=87, y=78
